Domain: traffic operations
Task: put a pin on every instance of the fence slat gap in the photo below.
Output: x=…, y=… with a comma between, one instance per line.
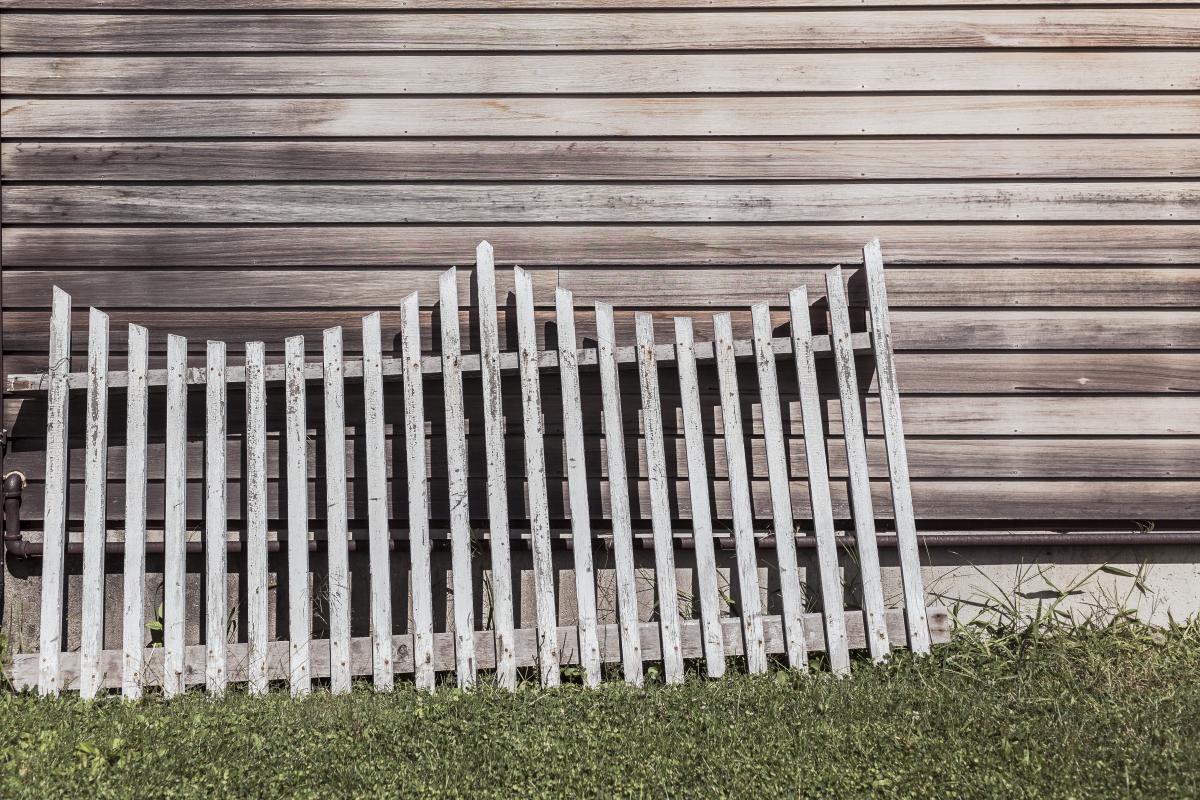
x=781, y=496
x=660, y=503
x=133, y=624
x=501, y=605
x=336, y=527
x=750, y=605
x=832, y=592
x=897, y=453
x=618, y=496
x=299, y=594
x=706, y=562
x=95, y=512
x=576, y=463
x=856, y=456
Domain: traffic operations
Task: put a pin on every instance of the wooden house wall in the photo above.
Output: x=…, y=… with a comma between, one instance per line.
x=253, y=169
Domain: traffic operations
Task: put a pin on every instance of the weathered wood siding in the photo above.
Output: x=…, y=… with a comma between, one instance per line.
x=257, y=169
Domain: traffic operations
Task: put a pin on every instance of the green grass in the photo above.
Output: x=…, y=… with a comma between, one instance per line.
x=1085, y=713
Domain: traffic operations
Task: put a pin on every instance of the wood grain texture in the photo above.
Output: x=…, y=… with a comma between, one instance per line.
x=95, y=529
x=257, y=578
x=611, y=159
x=579, y=246
x=336, y=515
x=523, y=32
x=54, y=507
x=176, y=502
x=604, y=74
x=24, y=666
x=742, y=115
x=300, y=608
x=381, y=593
x=580, y=203
x=216, y=461
x=133, y=627
x=550, y=5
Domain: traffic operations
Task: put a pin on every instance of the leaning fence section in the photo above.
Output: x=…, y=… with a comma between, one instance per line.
x=468, y=648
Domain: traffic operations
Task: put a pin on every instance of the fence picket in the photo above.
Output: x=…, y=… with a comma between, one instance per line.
x=456, y=465
x=133, y=624
x=257, y=635
x=660, y=504
x=581, y=525
x=897, y=455
x=618, y=496
x=706, y=561
x=781, y=496
x=497, y=485
x=832, y=601
x=215, y=529
x=95, y=516
x=535, y=482
x=377, y=511
x=299, y=595
x=54, y=525
x=174, y=607
x=856, y=456
x=420, y=556
x=336, y=527
x=739, y=491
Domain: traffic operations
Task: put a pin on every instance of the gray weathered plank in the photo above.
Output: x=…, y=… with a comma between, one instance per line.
x=174, y=604
x=54, y=529
x=501, y=605
x=740, y=115
x=299, y=592
x=257, y=631
x=216, y=597
x=377, y=510
x=458, y=469
x=575, y=456
x=338, y=556
x=781, y=500
x=618, y=496
x=660, y=503
x=133, y=628
x=421, y=572
x=893, y=432
x=820, y=504
x=95, y=522
x=856, y=457
x=749, y=601
x=697, y=471
x=524, y=32
x=535, y=473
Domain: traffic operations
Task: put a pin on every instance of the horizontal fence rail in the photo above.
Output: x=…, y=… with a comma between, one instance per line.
x=481, y=631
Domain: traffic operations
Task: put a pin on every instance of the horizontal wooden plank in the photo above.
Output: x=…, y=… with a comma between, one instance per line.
x=589, y=202
x=1016, y=457
x=824, y=30
x=933, y=500
x=642, y=289
x=583, y=245
x=504, y=5
x=25, y=666
x=603, y=74
x=552, y=159
x=804, y=115
x=929, y=415
x=921, y=373
x=26, y=333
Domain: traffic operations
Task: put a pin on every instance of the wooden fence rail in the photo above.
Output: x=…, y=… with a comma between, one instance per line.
x=468, y=646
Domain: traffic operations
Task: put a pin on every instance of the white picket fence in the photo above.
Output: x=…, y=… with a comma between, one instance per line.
x=465, y=648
